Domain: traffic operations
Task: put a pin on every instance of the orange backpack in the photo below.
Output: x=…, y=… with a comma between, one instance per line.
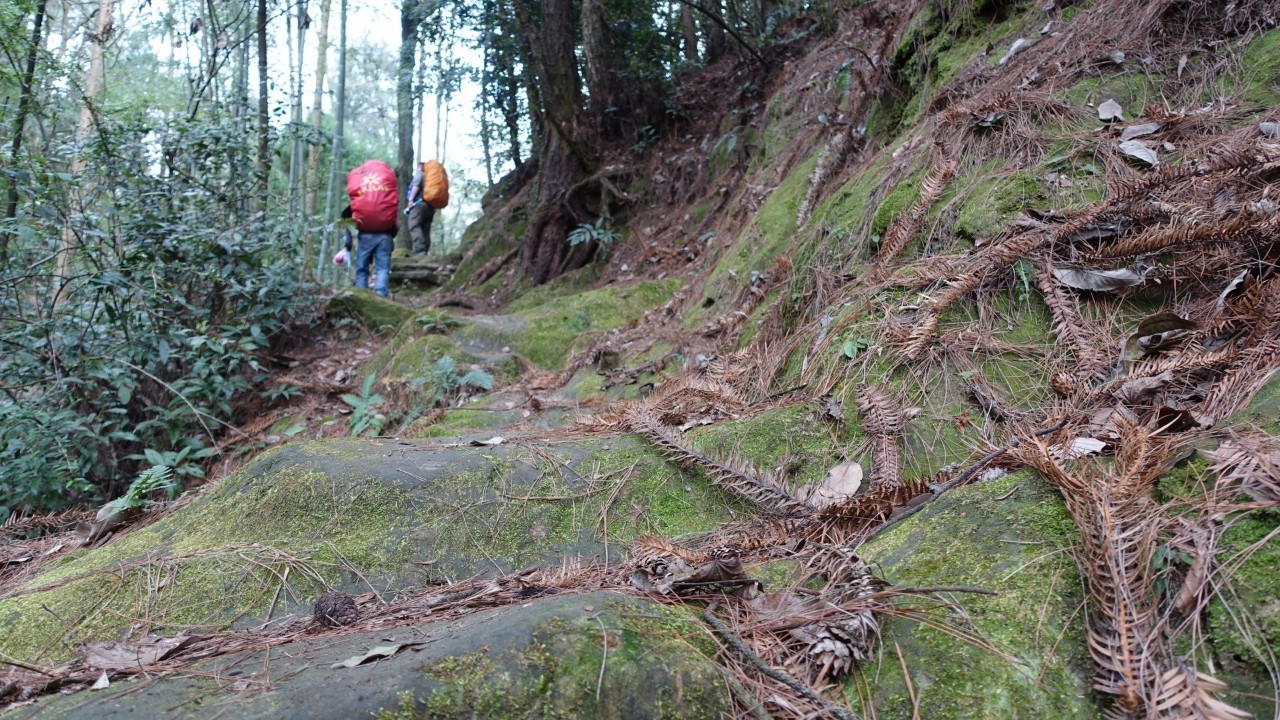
x=435, y=184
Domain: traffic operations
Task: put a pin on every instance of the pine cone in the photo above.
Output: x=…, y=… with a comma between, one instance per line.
x=335, y=609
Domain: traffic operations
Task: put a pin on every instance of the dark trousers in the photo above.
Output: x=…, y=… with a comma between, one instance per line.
x=420, y=217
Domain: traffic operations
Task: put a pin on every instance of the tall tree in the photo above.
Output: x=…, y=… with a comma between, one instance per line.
x=80, y=190
x=565, y=156
x=264, y=150
x=411, y=13
x=20, y=122
x=313, y=159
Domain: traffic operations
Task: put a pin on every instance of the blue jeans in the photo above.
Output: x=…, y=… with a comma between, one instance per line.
x=375, y=247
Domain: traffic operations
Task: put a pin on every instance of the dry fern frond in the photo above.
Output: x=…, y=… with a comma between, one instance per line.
x=736, y=476
x=1249, y=463
x=1187, y=694
x=881, y=414
x=905, y=226
x=1091, y=359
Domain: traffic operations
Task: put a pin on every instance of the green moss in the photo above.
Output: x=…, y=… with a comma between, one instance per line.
x=993, y=200
x=461, y=421
x=247, y=544
x=896, y=202
x=770, y=235
x=657, y=662
x=1249, y=621
x=1134, y=91
x=1262, y=69
x=1019, y=545
x=374, y=312
x=548, y=334
x=793, y=438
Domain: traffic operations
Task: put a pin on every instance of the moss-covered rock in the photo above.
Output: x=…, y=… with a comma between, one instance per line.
x=367, y=308
x=548, y=334
x=993, y=201
x=351, y=513
x=541, y=659
x=1013, y=536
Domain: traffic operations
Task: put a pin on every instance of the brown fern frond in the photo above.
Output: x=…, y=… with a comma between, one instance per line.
x=886, y=461
x=1091, y=360
x=1188, y=694
x=649, y=546
x=881, y=414
x=905, y=226
x=844, y=522
x=737, y=476
x=1249, y=463
x=1190, y=231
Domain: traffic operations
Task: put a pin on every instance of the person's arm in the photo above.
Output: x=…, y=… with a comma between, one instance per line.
x=346, y=230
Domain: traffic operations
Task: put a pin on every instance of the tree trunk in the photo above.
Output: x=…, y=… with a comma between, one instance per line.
x=296, y=167
x=410, y=19
x=313, y=159
x=565, y=158
x=688, y=33
x=336, y=161
x=20, y=122
x=717, y=42
x=264, y=151
x=597, y=51
x=81, y=188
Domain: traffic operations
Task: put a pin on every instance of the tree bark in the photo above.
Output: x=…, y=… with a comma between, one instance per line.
x=20, y=122
x=336, y=160
x=317, y=116
x=264, y=151
x=410, y=19
x=81, y=189
x=565, y=156
x=689, y=33
x=717, y=43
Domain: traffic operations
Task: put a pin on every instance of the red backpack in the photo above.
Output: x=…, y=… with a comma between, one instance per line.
x=374, y=201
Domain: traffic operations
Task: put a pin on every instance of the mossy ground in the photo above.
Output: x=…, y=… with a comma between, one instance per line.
x=1011, y=535
x=548, y=334
x=364, y=306
x=1262, y=70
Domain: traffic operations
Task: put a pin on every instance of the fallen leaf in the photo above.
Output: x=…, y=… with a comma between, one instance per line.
x=841, y=483
x=1110, y=111
x=121, y=656
x=102, y=682
x=832, y=408
x=1232, y=289
x=1141, y=390
x=1097, y=280
x=1139, y=151
x=381, y=651
x=1078, y=448
x=1018, y=46
x=1136, y=131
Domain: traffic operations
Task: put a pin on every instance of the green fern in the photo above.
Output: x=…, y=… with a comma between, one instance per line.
x=152, y=480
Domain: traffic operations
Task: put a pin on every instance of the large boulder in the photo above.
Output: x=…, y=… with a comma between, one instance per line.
x=354, y=515
x=599, y=655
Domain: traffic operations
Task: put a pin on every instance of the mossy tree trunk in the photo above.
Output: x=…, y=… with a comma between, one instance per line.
x=566, y=157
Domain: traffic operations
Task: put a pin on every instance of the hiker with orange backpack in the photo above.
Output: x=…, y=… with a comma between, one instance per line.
x=428, y=192
x=373, y=208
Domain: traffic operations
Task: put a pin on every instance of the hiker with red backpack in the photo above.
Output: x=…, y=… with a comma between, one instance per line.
x=374, y=209
x=428, y=192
